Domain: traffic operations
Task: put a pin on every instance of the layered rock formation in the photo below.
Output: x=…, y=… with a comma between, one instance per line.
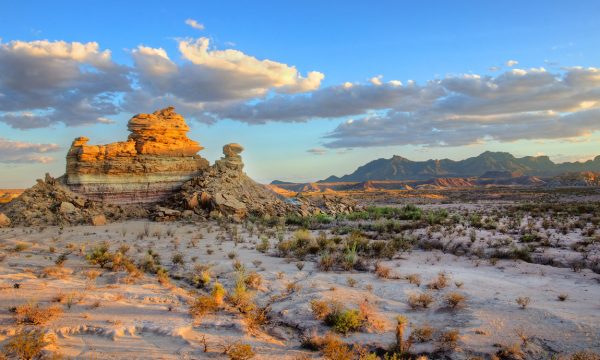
x=155, y=161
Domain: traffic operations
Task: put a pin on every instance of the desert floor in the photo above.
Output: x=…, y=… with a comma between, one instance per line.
x=114, y=316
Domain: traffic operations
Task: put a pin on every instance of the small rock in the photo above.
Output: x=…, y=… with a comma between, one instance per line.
x=99, y=220
x=67, y=208
x=4, y=221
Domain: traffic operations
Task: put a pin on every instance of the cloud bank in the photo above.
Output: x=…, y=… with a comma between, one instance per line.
x=43, y=83
x=18, y=152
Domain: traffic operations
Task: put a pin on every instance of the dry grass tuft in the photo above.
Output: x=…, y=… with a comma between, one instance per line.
x=440, y=282
x=420, y=300
x=455, y=300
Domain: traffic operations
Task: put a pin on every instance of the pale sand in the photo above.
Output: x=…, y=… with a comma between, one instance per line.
x=133, y=321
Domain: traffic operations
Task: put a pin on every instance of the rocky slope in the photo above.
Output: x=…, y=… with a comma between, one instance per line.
x=155, y=161
x=399, y=168
x=225, y=190
x=51, y=202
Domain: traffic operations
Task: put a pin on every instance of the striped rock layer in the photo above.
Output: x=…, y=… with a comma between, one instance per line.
x=154, y=162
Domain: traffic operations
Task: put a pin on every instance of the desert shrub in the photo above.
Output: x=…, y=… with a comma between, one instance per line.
x=322, y=308
x=335, y=349
x=440, y=282
x=218, y=293
x=99, y=255
x=240, y=351
x=422, y=300
x=33, y=314
x=26, y=345
x=202, y=279
x=253, y=280
x=448, y=340
x=510, y=352
x=203, y=305
x=264, y=245
x=178, y=259
x=21, y=246
x=422, y=333
x=326, y=261
x=240, y=297
x=162, y=275
x=335, y=315
x=563, y=296
x=257, y=317
x=350, y=258
x=523, y=301
x=414, y=279
x=369, y=316
x=455, y=299
x=344, y=320
x=585, y=355
x=382, y=271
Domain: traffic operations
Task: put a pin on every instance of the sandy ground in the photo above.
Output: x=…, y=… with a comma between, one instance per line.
x=112, y=319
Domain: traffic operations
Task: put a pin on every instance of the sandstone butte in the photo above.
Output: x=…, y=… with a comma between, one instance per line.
x=155, y=161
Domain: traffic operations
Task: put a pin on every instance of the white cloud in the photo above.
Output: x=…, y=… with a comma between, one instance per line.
x=194, y=24
x=24, y=152
x=210, y=77
x=376, y=80
x=511, y=63
x=317, y=151
x=44, y=83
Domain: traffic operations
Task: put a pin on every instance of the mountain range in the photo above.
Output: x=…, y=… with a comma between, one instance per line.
x=486, y=165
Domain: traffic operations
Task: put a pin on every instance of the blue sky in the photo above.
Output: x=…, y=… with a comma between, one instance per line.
x=439, y=45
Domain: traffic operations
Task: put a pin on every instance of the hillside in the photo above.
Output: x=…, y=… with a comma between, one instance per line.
x=487, y=163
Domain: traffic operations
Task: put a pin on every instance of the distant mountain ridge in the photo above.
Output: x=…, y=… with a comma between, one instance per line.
x=487, y=163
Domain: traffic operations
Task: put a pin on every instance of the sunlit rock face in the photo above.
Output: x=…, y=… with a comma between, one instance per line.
x=155, y=161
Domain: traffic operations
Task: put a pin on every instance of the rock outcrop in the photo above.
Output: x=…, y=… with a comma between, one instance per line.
x=51, y=202
x=155, y=161
x=225, y=190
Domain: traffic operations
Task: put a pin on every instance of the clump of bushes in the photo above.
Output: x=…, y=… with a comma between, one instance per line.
x=338, y=317
x=34, y=314
x=27, y=344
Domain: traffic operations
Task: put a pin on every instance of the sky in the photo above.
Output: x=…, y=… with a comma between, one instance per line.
x=309, y=88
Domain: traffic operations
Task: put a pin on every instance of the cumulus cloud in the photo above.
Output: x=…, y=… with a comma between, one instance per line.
x=23, y=152
x=44, y=82
x=212, y=77
x=516, y=105
x=455, y=110
x=194, y=24
x=511, y=63
x=317, y=151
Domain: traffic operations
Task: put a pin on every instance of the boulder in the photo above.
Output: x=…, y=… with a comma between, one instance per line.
x=98, y=220
x=67, y=208
x=4, y=220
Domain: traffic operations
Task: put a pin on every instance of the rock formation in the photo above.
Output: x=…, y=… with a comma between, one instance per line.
x=155, y=161
x=224, y=189
x=50, y=202
x=155, y=172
